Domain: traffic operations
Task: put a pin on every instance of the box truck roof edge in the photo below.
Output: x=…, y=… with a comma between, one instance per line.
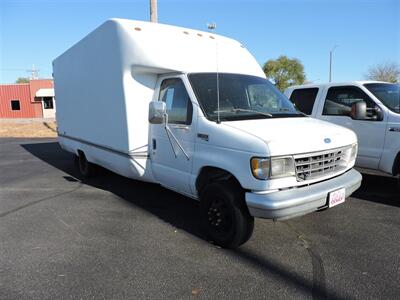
x=160, y=48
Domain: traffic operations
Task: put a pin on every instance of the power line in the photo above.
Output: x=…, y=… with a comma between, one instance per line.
x=34, y=71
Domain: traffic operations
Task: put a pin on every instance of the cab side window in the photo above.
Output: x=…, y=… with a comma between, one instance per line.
x=176, y=98
x=339, y=100
x=304, y=99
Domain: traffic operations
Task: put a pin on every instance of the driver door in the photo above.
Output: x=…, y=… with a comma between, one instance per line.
x=172, y=151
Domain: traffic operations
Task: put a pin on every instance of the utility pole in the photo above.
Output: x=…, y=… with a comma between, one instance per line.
x=153, y=11
x=330, y=62
x=34, y=72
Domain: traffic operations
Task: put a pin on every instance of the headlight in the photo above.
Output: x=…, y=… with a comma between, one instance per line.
x=260, y=167
x=282, y=167
x=270, y=168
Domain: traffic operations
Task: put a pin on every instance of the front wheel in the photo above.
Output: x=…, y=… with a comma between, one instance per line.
x=225, y=216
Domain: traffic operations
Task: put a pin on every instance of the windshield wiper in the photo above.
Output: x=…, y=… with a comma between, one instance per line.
x=235, y=110
x=297, y=111
x=301, y=113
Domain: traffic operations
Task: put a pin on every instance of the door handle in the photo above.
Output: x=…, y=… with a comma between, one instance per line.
x=154, y=142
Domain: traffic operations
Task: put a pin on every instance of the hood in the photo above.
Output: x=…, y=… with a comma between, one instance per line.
x=287, y=136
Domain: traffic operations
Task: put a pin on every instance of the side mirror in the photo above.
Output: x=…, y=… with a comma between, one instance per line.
x=359, y=110
x=379, y=114
x=157, y=110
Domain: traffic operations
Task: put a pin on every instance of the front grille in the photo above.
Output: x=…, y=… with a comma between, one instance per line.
x=320, y=164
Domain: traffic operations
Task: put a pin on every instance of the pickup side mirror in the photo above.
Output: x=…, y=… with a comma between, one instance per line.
x=157, y=110
x=359, y=110
x=379, y=114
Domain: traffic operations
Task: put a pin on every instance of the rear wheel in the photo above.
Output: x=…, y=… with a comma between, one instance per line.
x=225, y=216
x=397, y=164
x=86, y=168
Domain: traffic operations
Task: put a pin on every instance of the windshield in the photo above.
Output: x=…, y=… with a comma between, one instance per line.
x=241, y=97
x=387, y=93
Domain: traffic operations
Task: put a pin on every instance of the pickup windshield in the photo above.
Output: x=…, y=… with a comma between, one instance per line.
x=387, y=93
x=241, y=97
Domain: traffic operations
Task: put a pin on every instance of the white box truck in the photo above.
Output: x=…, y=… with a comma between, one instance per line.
x=192, y=111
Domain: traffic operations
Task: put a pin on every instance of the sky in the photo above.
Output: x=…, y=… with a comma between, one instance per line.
x=365, y=33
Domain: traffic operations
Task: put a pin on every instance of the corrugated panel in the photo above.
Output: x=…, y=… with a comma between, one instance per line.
x=19, y=92
x=38, y=109
x=37, y=84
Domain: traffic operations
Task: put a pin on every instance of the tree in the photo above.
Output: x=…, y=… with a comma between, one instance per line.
x=389, y=72
x=284, y=72
x=22, y=80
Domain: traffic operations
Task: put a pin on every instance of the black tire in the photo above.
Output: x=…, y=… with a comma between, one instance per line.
x=224, y=214
x=398, y=183
x=86, y=168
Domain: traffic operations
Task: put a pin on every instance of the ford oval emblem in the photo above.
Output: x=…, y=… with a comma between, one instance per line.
x=327, y=140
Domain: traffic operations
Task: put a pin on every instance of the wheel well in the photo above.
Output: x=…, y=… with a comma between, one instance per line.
x=396, y=165
x=210, y=174
x=80, y=152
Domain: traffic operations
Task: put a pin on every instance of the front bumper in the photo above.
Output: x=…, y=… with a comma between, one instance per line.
x=295, y=202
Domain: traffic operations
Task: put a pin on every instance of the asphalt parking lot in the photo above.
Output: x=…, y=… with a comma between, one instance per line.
x=113, y=238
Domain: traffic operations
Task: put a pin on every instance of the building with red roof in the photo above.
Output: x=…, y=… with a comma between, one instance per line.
x=28, y=100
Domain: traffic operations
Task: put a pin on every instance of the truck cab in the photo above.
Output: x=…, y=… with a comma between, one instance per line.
x=236, y=143
x=370, y=108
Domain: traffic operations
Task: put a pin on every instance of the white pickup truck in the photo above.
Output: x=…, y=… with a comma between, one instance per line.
x=192, y=111
x=370, y=108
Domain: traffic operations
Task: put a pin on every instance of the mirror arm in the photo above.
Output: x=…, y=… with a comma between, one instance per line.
x=379, y=113
x=169, y=135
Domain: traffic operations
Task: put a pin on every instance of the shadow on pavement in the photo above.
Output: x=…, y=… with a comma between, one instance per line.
x=171, y=207
x=379, y=189
x=182, y=212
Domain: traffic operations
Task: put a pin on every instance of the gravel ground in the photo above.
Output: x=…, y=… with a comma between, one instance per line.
x=28, y=128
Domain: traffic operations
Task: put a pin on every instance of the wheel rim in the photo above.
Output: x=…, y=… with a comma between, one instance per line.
x=219, y=217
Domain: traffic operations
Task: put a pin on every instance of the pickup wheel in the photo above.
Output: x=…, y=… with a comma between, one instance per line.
x=86, y=168
x=398, y=182
x=225, y=216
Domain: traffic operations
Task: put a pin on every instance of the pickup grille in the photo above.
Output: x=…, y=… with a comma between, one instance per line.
x=321, y=164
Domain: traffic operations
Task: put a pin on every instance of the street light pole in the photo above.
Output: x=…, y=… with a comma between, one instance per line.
x=330, y=62
x=153, y=11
